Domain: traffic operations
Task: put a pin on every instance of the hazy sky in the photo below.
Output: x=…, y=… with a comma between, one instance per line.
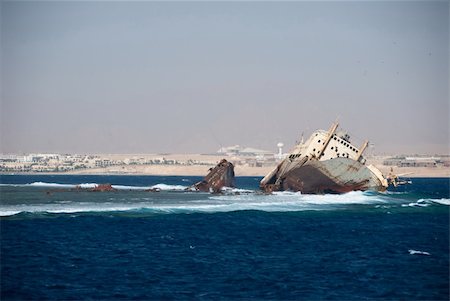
x=143, y=77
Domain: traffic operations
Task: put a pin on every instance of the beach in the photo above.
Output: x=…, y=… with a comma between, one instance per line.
x=199, y=165
x=170, y=170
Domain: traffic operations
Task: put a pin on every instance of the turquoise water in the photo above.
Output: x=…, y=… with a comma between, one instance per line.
x=58, y=243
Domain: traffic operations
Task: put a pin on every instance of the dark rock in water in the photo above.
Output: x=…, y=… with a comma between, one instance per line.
x=222, y=175
x=153, y=190
x=103, y=187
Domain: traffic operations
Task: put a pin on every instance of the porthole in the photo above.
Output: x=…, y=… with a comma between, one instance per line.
x=332, y=147
x=318, y=141
x=314, y=149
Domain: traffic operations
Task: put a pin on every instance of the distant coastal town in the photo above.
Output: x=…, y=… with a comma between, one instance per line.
x=248, y=162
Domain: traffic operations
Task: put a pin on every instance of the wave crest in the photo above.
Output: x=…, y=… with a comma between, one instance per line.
x=160, y=186
x=232, y=199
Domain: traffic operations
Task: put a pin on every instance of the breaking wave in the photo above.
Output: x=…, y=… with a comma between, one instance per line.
x=231, y=190
x=427, y=202
x=172, y=200
x=161, y=186
x=286, y=197
x=415, y=252
x=169, y=187
x=49, y=185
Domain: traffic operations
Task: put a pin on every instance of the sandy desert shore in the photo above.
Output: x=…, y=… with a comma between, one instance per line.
x=412, y=172
x=205, y=162
x=240, y=170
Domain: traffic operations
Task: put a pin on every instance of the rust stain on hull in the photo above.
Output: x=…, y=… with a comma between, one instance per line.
x=222, y=175
x=320, y=177
x=331, y=176
x=326, y=163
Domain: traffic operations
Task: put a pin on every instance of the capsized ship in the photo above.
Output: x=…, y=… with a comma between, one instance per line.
x=222, y=175
x=326, y=163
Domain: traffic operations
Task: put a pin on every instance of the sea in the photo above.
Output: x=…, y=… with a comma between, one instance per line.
x=63, y=243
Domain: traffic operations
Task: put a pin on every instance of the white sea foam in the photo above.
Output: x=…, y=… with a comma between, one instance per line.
x=234, y=190
x=355, y=197
x=289, y=201
x=67, y=208
x=438, y=201
x=427, y=202
x=279, y=202
x=55, y=185
x=51, y=185
x=415, y=252
x=394, y=192
x=419, y=203
x=9, y=212
x=125, y=187
x=87, y=185
x=93, y=185
x=207, y=205
x=169, y=187
x=232, y=199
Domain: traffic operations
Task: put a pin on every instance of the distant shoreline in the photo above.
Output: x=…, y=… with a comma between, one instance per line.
x=244, y=171
x=186, y=165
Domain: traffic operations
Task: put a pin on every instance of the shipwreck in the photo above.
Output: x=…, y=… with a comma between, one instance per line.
x=326, y=163
x=222, y=175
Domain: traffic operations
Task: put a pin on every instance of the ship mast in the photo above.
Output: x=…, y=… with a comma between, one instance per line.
x=330, y=135
x=362, y=149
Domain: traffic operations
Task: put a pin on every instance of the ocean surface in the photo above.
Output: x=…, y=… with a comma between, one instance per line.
x=60, y=243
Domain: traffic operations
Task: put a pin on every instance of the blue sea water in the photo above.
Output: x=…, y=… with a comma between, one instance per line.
x=59, y=243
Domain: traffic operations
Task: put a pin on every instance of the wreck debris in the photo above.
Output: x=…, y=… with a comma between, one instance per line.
x=103, y=188
x=326, y=163
x=222, y=175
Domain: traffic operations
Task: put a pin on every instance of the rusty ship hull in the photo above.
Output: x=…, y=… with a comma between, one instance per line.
x=338, y=175
x=326, y=163
x=222, y=175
